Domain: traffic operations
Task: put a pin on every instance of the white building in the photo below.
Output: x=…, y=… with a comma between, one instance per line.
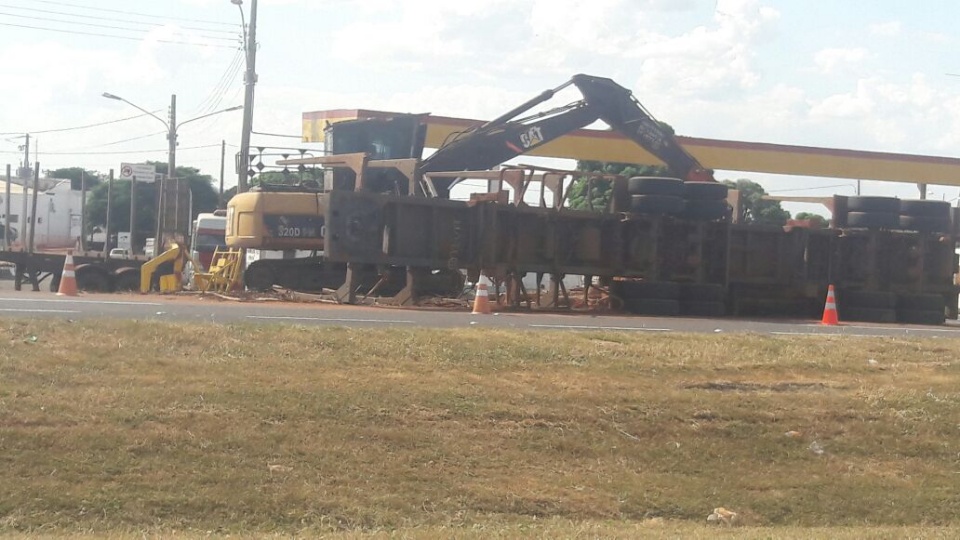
x=58, y=214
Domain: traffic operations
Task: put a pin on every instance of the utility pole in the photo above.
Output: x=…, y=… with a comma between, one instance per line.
x=106, y=240
x=250, y=81
x=83, y=210
x=33, y=217
x=133, y=215
x=172, y=138
x=171, y=177
x=24, y=174
x=223, y=157
x=6, y=212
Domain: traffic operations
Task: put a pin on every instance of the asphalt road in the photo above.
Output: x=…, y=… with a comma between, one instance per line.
x=194, y=309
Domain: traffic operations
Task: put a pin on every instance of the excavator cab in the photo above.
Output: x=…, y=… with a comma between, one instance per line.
x=397, y=137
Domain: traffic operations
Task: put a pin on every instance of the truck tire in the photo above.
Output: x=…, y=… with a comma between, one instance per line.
x=873, y=204
x=867, y=299
x=653, y=185
x=874, y=315
x=703, y=309
x=655, y=204
x=925, y=208
x=654, y=290
x=259, y=277
x=921, y=302
x=925, y=224
x=702, y=292
x=126, y=279
x=653, y=306
x=92, y=278
x=705, y=191
x=919, y=316
x=705, y=210
x=873, y=220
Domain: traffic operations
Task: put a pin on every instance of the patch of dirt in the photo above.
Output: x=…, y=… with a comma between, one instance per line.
x=731, y=386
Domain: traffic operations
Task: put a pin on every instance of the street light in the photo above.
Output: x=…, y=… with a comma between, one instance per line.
x=172, y=127
x=249, y=81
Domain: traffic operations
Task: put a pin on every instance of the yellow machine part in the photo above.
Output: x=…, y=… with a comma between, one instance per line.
x=224, y=274
x=174, y=254
x=272, y=220
x=169, y=283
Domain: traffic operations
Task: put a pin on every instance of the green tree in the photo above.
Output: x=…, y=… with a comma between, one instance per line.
x=601, y=190
x=314, y=174
x=754, y=208
x=816, y=219
x=74, y=174
x=205, y=199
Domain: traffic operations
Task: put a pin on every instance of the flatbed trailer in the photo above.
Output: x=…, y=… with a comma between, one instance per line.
x=94, y=271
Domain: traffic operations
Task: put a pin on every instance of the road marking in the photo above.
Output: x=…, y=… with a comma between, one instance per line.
x=578, y=327
x=894, y=330
x=905, y=330
x=13, y=310
x=831, y=334
x=65, y=300
x=319, y=319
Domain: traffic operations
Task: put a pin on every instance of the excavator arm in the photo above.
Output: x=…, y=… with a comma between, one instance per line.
x=495, y=143
x=507, y=137
x=617, y=106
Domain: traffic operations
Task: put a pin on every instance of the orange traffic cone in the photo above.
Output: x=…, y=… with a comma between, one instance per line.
x=68, y=279
x=830, y=309
x=481, y=302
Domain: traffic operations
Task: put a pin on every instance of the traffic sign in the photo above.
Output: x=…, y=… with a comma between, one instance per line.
x=141, y=171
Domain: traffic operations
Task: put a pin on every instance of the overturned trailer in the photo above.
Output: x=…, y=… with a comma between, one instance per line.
x=648, y=259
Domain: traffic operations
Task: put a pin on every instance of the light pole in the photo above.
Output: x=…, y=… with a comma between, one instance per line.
x=249, y=81
x=172, y=128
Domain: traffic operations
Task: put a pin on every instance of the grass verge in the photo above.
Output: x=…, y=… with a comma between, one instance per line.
x=114, y=427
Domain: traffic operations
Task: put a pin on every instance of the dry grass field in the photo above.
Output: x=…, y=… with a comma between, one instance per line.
x=130, y=429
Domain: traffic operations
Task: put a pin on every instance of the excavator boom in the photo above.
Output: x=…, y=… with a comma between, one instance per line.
x=507, y=137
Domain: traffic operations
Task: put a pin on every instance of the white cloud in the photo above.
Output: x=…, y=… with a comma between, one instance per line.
x=428, y=34
x=848, y=105
x=887, y=29
x=830, y=60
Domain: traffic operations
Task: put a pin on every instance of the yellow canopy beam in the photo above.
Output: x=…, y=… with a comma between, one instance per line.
x=599, y=145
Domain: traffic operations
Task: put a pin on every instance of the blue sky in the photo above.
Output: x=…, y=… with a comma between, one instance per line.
x=870, y=75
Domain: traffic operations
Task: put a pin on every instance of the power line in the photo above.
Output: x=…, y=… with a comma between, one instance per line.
x=109, y=19
x=123, y=12
x=77, y=32
x=277, y=135
x=122, y=151
x=213, y=100
x=88, y=126
x=108, y=26
x=128, y=140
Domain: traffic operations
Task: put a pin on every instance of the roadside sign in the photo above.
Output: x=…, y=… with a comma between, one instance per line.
x=143, y=172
